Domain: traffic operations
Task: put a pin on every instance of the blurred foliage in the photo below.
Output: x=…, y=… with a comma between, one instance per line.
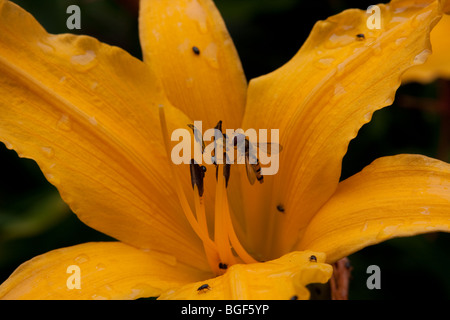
x=267, y=33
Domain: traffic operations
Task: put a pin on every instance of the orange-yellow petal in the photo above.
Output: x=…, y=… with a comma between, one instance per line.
x=281, y=279
x=88, y=114
x=188, y=45
x=319, y=100
x=394, y=196
x=106, y=270
x=438, y=63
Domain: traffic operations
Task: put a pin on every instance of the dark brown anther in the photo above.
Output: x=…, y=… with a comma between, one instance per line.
x=197, y=136
x=196, y=50
x=197, y=175
x=280, y=208
x=313, y=258
x=226, y=173
x=219, y=126
x=360, y=37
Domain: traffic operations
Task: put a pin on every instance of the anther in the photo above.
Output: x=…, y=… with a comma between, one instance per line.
x=196, y=50
x=360, y=37
x=313, y=258
x=280, y=208
x=197, y=175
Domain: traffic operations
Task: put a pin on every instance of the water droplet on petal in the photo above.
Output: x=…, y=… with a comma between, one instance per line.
x=93, y=121
x=324, y=63
x=8, y=145
x=51, y=178
x=421, y=57
x=100, y=267
x=94, y=85
x=210, y=54
x=336, y=41
x=339, y=89
x=364, y=228
x=45, y=47
x=48, y=152
x=196, y=12
x=82, y=258
x=189, y=82
x=100, y=297
x=64, y=123
x=83, y=59
x=386, y=232
x=397, y=19
x=421, y=17
x=400, y=40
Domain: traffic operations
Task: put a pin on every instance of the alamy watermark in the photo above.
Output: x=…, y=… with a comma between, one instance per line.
x=232, y=147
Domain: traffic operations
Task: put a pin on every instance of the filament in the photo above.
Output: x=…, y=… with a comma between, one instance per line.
x=210, y=247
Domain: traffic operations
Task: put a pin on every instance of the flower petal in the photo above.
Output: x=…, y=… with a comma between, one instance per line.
x=208, y=84
x=283, y=278
x=88, y=114
x=320, y=99
x=107, y=270
x=438, y=63
x=394, y=196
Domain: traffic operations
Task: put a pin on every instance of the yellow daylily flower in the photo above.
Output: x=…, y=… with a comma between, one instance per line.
x=97, y=122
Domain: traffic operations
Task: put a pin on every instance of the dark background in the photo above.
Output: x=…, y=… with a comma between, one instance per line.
x=267, y=33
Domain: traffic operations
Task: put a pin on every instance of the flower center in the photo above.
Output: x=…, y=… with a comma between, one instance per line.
x=225, y=249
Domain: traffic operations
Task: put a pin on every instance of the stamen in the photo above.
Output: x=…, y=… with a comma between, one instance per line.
x=237, y=246
x=223, y=213
x=197, y=175
x=202, y=233
x=212, y=258
x=220, y=230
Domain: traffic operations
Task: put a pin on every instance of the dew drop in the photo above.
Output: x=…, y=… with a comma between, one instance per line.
x=100, y=297
x=93, y=121
x=210, y=55
x=196, y=12
x=389, y=101
x=45, y=47
x=339, y=89
x=365, y=226
x=400, y=40
x=8, y=145
x=51, y=178
x=422, y=17
x=336, y=41
x=386, y=232
x=367, y=117
x=398, y=19
x=421, y=57
x=189, y=83
x=377, y=48
x=83, y=59
x=82, y=258
x=48, y=152
x=64, y=123
x=324, y=63
x=100, y=267
x=94, y=85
